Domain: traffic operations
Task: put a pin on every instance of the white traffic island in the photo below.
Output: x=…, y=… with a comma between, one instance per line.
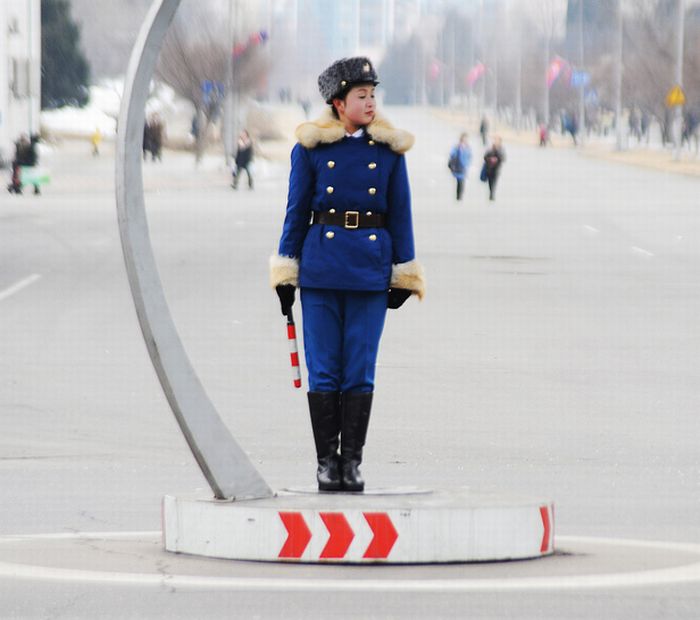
x=397, y=527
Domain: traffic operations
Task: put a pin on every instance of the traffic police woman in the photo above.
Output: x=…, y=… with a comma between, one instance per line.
x=347, y=243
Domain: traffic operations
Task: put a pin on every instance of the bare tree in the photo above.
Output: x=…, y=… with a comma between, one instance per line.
x=194, y=63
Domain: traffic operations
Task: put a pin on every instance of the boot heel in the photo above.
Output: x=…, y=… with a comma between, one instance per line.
x=351, y=478
x=328, y=474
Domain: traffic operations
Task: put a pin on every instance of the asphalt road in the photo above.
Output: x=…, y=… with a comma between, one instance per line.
x=555, y=355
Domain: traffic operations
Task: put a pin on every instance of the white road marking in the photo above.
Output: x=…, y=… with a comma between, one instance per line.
x=641, y=251
x=688, y=573
x=591, y=228
x=15, y=288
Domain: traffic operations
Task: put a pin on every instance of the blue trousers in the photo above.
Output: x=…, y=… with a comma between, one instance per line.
x=341, y=338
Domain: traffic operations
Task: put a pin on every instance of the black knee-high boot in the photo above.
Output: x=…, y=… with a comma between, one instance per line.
x=325, y=422
x=356, y=407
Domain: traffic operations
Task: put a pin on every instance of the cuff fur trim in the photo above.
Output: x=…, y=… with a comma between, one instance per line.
x=283, y=270
x=410, y=276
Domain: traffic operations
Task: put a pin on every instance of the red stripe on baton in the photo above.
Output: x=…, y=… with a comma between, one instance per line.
x=294, y=353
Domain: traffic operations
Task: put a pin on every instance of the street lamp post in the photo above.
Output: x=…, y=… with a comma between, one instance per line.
x=518, y=34
x=618, y=78
x=678, y=112
x=228, y=101
x=546, y=85
x=582, y=84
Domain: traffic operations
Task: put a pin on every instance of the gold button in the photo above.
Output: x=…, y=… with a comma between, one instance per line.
x=371, y=143
x=373, y=237
x=372, y=166
x=329, y=189
x=343, y=83
x=331, y=211
x=372, y=191
x=369, y=213
x=331, y=164
x=330, y=234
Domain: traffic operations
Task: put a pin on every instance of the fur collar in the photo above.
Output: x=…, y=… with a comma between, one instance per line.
x=329, y=129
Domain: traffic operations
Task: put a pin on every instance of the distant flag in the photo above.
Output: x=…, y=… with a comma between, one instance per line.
x=580, y=78
x=554, y=69
x=475, y=73
x=257, y=38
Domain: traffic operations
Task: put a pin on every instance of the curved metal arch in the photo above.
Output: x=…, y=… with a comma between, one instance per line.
x=226, y=467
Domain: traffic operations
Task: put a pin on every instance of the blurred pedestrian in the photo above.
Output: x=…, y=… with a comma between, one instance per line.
x=146, y=145
x=570, y=125
x=305, y=106
x=347, y=242
x=24, y=164
x=194, y=127
x=157, y=136
x=243, y=160
x=96, y=140
x=484, y=130
x=21, y=158
x=543, y=134
x=493, y=159
x=458, y=163
x=635, y=124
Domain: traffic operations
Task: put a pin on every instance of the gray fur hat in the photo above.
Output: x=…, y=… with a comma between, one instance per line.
x=345, y=73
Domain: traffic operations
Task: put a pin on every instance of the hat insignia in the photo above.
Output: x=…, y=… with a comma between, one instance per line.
x=366, y=67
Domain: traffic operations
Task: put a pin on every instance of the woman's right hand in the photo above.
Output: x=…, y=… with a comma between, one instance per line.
x=286, y=294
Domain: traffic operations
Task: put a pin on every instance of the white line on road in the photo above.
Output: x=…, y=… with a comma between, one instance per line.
x=686, y=573
x=15, y=288
x=641, y=251
x=591, y=228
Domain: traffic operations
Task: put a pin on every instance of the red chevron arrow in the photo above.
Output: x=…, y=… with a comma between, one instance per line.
x=385, y=535
x=298, y=537
x=341, y=535
x=544, y=513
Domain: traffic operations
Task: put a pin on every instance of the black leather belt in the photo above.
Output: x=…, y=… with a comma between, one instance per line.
x=349, y=219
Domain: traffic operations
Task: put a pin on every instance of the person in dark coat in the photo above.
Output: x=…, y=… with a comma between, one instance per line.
x=484, y=130
x=146, y=145
x=26, y=156
x=156, y=130
x=21, y=158
x=347, y=243
x=244, y=157
x=493, y=159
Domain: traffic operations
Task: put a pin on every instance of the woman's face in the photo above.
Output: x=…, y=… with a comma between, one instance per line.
x=359, y=107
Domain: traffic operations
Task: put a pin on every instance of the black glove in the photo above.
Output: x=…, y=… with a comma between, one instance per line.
x=286, y=294
x=397, y=296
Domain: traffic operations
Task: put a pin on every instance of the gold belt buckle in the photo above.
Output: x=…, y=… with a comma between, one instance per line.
x=352, y=219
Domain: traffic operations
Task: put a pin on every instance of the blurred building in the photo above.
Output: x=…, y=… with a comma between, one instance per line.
x=20, y=71
x=316, y=32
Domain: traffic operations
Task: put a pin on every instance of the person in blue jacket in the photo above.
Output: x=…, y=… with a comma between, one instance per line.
x=347, y=244
x=460, y=159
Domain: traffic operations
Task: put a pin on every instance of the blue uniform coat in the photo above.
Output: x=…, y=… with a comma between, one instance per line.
x=331, y=171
